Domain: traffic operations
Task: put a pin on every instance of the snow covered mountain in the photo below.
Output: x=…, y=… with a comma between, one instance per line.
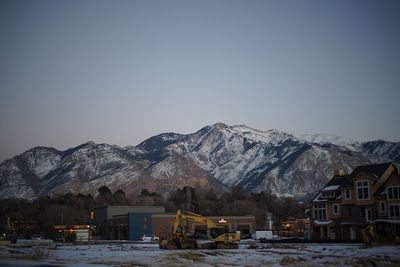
x=217, y=156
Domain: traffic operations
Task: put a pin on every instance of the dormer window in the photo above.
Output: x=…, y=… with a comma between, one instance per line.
x=362, y=190
x=328, y=194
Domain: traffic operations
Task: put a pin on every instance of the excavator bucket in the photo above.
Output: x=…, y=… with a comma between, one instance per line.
x=188, y=244
x=163, y=244
x=171, y=244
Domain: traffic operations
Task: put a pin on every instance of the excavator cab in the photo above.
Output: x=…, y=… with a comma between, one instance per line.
x=216, y=232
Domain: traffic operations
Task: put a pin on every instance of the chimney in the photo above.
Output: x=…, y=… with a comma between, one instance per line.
x=339, y=172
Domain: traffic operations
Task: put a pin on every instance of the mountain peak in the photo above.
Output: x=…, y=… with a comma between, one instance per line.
x=220, y=125
x=90, y=143
x=38, y=149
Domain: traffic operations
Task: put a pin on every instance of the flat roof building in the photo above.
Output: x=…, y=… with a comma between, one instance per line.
x=102, y=217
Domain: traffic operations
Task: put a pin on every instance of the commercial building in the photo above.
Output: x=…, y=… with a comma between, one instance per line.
x=78, y=233
x=131, y=222
x=297, y=228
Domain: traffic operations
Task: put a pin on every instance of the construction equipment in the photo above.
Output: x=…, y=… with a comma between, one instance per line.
x=217, y=238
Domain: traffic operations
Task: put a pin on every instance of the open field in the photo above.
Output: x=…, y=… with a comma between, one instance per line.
x=248, y=254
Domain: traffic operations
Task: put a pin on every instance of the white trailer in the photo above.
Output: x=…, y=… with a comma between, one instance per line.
x=82, y=235
x=263, y=235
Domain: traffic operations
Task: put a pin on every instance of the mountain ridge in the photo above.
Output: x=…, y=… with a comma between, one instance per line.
x=216, y=156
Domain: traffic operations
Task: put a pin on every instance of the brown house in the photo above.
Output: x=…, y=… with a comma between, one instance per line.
x=348, y=203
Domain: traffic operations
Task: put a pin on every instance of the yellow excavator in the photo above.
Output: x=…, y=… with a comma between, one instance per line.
x=217, y=238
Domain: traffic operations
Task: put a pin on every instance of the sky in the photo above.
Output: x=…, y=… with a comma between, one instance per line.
x=119, y=72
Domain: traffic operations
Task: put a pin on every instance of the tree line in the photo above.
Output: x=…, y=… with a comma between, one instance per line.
x=70, y=209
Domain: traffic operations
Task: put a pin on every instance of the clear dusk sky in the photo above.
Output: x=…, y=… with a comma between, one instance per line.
x=121, y=71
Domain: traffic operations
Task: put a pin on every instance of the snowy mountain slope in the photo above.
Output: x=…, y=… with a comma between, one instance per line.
x=383, y=149
x=22, y=175
x=16, y=180
x=217, y=156
x=304, y=172
x=87, y=163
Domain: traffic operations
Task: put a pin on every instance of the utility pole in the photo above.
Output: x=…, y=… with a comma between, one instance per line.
x=268, y=221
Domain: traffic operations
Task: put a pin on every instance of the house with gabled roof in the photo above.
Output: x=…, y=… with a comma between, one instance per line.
x=349, y=203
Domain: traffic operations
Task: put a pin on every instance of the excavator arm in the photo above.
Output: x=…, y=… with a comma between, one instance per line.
x=216, y=233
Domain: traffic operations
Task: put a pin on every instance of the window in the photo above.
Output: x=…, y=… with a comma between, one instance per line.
x=347, y=194
x=319, y=212
x=393, y=192
x=335, y=208
x=382, y=206
x=328, y=194
x=394, y=210
x=362, y=190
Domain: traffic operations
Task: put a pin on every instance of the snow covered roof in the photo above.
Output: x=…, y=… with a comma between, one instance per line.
x=393, y=221
x=350, y=223
x=330, y=188
x=316, y=222
x=318, y=198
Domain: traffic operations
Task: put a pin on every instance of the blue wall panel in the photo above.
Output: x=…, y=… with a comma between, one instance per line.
x=139, y=223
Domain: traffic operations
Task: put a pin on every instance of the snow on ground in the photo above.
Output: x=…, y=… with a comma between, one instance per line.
x=248, y=254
